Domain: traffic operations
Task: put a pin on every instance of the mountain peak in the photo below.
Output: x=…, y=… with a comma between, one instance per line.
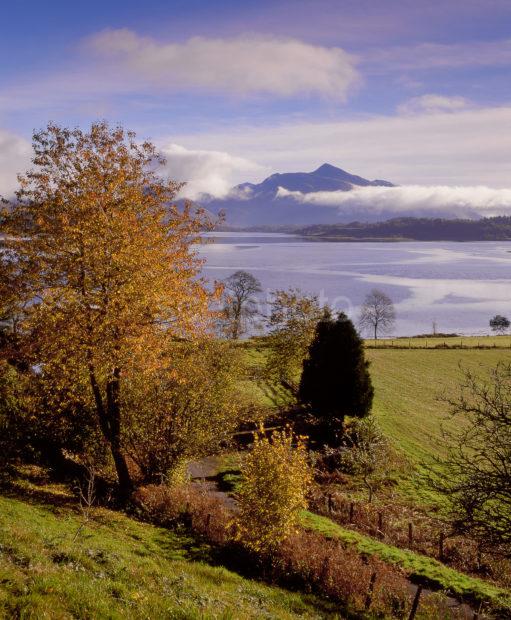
x=327, y=168
x=265, y=203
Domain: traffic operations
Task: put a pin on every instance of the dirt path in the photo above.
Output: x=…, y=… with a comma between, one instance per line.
x=205, y=473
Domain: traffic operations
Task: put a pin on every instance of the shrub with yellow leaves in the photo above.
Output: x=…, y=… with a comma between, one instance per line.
x=275, y=478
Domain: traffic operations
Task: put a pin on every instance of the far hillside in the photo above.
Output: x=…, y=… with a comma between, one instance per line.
x=416, y=229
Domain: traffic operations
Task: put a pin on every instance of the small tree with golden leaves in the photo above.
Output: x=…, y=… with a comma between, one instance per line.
x=292, y=321
x=275, y=479
x=109, y=265
x=188, y=410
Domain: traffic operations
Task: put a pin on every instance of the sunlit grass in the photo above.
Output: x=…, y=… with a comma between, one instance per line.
x=116, y=567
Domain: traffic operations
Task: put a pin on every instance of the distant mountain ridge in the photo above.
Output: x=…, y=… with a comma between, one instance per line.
x=260, y=204
x=326, y=178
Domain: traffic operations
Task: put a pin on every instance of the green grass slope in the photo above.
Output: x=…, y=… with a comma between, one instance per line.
x=52, y=565
x=408, y=386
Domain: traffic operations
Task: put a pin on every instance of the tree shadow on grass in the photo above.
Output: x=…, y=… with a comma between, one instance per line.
x=33, y=489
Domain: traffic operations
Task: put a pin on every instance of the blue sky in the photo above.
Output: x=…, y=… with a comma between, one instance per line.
x=417, y=92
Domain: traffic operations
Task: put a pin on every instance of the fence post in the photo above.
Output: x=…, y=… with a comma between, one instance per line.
x=352, y=510
x=415, y=604
x=187, y=516
x=410, y=533
x=208, y=521
x=380, y=524
x=325, y=568
x=370, y=590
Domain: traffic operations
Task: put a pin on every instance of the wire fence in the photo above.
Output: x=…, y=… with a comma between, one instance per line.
x=433, y=342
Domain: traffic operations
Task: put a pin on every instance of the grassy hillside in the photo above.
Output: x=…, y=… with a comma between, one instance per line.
x=52, y=565
x=409, y=384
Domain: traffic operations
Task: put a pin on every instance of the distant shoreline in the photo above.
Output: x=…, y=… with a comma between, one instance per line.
x=394, y=230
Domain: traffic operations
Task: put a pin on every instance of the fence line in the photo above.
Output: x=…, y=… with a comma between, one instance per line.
x=464, y=342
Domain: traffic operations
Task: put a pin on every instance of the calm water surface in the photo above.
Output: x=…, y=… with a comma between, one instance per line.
x=457, y=285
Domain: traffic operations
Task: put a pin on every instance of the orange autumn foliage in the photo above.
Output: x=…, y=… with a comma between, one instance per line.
x=108, y=263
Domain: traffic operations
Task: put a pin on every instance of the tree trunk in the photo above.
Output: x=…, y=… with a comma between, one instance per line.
x=375, y=331
x=110, y=424
x=114, y=417
x=369, y=488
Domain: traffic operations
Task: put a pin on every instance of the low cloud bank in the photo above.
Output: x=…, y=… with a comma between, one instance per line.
x=205, y=172
x=438, y=201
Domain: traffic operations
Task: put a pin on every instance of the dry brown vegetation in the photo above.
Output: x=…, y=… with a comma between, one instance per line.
x=305, y=560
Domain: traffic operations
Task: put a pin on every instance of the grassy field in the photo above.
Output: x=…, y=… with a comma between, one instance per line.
x=409, y=385
x=53, y=565
x=408, y=390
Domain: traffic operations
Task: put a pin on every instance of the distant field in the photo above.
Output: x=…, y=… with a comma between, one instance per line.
x=433, y=342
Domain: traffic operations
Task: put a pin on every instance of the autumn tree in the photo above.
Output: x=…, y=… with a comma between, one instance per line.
x=13, y=298
x=109, y=266
x=291, y=325
x=240, y=302
x=186, y=410
x=275, y=478
x=377, y=313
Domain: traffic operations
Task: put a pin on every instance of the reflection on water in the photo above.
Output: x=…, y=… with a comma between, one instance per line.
x=460, y=286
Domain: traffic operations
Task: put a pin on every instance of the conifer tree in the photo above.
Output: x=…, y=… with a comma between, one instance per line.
x=335, y=380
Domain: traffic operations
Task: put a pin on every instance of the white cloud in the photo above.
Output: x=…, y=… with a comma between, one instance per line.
x=432, y=104
x=244, y=65
x=205, y=172
x=14, y=158
x=469, y=147
x=413, y=199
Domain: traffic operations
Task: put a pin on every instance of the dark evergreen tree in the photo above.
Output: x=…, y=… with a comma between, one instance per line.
x=335, y=379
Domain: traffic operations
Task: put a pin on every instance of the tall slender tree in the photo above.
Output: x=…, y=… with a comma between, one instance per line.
x=109, y=266
x=291, y=323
